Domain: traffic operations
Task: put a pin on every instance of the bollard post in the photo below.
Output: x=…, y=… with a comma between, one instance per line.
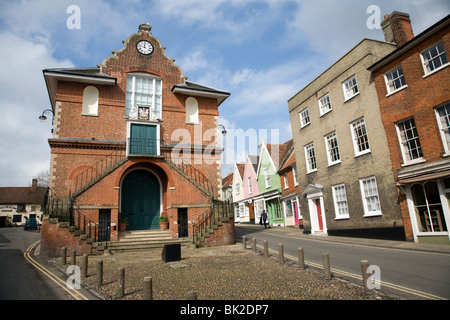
x=191, y=295
x=64, y=256
x=100, y=273
x=254, y=245
x=301, y=259
x=266, y=248
x=121, y=290
x=244, y=242
x=326, y=266
x=365, y=275
x=281, y=252
x=74, y=257
x=148, y=288
x=85, y=265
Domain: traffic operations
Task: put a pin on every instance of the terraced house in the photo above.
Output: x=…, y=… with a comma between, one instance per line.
x=341, y=150
x=133, y=140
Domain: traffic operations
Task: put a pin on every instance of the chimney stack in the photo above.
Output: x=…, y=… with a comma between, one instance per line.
x=397, y=28
x=34, y=185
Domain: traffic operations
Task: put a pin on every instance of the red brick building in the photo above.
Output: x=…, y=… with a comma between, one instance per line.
x=132, y=138
x=413, y=86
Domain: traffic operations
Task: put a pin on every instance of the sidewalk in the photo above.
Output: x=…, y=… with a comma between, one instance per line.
x=404, y=245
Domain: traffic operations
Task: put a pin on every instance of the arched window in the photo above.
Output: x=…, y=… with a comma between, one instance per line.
x=191, y=110
x=90, y=101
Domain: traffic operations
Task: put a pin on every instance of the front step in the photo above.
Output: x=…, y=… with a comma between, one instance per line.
x=144, y=240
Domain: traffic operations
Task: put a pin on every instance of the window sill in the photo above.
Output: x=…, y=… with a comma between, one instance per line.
x=325, y=113
x=304, y=126
x=397, y=90
x=362, y=153
x=374, y=214
x=342, y=218
x=413, y=162
x=89, y=114
x=350, y=98
x=334, y=163
x=312, y=171
x=436, y=70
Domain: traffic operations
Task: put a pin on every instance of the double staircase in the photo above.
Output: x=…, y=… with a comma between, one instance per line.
x=214, y=217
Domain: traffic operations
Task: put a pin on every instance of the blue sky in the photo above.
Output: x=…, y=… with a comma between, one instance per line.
x=261, y=51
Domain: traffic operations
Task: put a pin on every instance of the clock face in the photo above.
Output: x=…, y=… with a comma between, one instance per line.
x=144, y=47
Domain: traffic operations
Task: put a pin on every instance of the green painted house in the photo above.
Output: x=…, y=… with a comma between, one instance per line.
x=269, y=183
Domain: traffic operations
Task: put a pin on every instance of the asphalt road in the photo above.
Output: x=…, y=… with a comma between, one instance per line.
x=404, y=274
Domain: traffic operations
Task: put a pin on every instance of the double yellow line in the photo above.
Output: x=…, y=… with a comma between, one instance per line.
x=28, y=256
x=359, y=277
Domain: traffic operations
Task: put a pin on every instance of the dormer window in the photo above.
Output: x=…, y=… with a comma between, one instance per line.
x=143, y=97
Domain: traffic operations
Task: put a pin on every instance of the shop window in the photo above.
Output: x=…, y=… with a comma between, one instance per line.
x=428, y=207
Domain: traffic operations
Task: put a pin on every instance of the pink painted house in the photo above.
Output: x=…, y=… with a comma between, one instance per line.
x=251, y=190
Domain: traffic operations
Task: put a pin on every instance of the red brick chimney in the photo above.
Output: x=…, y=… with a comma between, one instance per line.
x=34, y=185
x=397, y=28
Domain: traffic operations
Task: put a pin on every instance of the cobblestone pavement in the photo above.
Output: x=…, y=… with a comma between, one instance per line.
x=220, y=273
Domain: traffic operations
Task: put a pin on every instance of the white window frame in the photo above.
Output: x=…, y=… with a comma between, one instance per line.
x=350, y=90
x=324, y=104
x=375, y=204
x=356, y=137
x=328, y=139
x=304, y=118
x=340, y=197
x=267, y=177
x=444, y=127
x=294, y=173
x=286, y=183
x=238, y=188
x=250, y=191
x=405, y=144
x=426, y=62
x=156, y=103
x=309, y=159
x=392, y=77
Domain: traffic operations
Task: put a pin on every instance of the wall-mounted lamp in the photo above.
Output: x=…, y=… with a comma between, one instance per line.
x=224, y=131
x=42, y=117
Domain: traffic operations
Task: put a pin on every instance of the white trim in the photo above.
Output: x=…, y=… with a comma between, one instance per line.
x=372, y=213
x=444, y=141
x=354, y=138
x=337, y=215
x=158, y=142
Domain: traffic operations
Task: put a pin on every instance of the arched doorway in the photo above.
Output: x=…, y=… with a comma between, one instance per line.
x=141, y=200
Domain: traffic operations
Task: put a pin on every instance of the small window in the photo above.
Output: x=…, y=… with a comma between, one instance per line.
x=434, y=57
x=443, y=119
x=304, y=118
x=360, y=138
x=191, y=110
x=310, y=155
x=409, y=141
x=395, y=80
x=324, y=104
x=286, y=183
x=90, y=101
x=350, y=88
x=250, y=190
x=294, y=173
x=340, y=201
x=267, y=177
x=331, y=144
x=371, y=200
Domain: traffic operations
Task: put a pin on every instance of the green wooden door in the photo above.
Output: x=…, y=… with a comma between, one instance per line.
x=141, y=200
x=143, y=139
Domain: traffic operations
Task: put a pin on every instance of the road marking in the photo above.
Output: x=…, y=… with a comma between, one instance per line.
x=74, y=293
x=359, y=277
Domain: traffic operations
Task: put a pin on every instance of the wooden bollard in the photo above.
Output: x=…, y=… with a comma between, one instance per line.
x=85, y=265
x=74, y=257
x=100, y=273
x=148, y=288
x=365, y=275
x=191, y=295
x=244, y=242
x=281, y=252
x=64, y=255
x=301, y=259
x=121, y=289
x=254, y=245
x=266, y=248
x=326, y=266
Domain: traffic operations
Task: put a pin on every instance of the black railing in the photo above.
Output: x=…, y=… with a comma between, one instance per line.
x=61, y=209
x=94, y=173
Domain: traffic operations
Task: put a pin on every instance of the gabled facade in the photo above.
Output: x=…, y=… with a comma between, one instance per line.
x=238, y=192
x=341, y=150
x=251, y=190
x=133, y=139
x=413, y=91
x=270, y=156
x=290, y=191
